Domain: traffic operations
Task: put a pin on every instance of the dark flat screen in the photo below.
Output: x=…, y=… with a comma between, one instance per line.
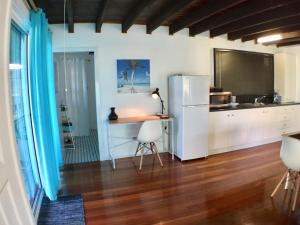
x=244, y=73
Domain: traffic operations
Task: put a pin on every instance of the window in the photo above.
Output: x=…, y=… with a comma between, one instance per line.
x=21, y=113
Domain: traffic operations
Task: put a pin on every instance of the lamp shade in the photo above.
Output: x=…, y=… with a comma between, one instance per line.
x=155, y=94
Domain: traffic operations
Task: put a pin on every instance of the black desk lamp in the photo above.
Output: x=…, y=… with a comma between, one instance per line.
x=155, y=95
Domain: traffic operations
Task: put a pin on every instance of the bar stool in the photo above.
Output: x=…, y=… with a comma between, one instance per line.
x=290, y=156
x=149, y=132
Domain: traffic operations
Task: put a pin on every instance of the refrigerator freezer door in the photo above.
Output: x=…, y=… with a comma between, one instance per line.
x=195, y=132
x=195, y=90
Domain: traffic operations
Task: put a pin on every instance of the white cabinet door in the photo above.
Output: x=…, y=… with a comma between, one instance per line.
x=297, y=118
x=270, y=124
x=256, y=124
x=238, y=127
x=219, y=130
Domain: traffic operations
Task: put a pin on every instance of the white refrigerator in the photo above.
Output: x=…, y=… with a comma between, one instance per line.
x=189, y=104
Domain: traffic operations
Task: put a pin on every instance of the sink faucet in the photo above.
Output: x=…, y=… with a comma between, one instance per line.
x=259, y=99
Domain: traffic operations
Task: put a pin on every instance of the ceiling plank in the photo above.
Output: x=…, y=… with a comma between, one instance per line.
x=264, y=17
x=100, y=16
x=286, y=37
x=239, y=12
x=288, y=42
x=70, y=16
x=264, y=27
x=272, y=32
x=166, y=12
x=211, y=8
x=136, y=10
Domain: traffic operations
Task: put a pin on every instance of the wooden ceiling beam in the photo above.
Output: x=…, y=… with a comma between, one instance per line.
x=136, y=10
x=257, y=19
x=211, y=8
x=236, y=13
x=272, y=32
x=289, y=42
x=264, y=27
x=286, y=37
x=70, y=16
x=100, y=16
x=169, y=10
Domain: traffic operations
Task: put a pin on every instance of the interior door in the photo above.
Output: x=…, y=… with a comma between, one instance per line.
x=14, y=206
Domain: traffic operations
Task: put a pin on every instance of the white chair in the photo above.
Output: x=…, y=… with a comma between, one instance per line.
x=150, y=132
x=290, y=156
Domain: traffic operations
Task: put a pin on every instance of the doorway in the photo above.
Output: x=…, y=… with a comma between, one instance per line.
x=76, y=106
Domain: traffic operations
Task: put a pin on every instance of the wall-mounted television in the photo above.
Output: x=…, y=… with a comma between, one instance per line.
x=246, y=74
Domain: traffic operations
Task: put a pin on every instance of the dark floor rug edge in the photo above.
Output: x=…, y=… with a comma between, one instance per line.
x=65, y=210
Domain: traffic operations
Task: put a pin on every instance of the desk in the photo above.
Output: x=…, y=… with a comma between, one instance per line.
x=293, y=135
x=136, y=120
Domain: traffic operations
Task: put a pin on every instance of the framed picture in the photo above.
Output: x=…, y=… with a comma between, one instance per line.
x=133, y=75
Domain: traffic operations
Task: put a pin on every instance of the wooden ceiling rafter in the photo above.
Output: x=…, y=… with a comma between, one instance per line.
x=211, y=8
x=245, y=19
x=136, y=10
x=272, y=32
x=163, y=14
x=264, y=27
x=236, y=13
x=286, y=37
x=257, y=19
x=288, y=42
x=100, y=17
x=70, y=16
x=32, y=5
x=291, y=42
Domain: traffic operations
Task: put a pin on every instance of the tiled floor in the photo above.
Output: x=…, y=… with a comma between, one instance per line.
x=86, y=149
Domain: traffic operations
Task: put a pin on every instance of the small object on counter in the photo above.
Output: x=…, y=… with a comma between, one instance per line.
x=233, y=99
x=112, y=115
x=234, y=104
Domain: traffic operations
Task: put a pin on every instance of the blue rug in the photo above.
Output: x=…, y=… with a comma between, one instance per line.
x=65, y=211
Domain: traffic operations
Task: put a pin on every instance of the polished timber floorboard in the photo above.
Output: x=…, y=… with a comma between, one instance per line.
x=230, y=189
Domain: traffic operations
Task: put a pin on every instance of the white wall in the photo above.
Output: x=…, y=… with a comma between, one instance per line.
x=168, y=55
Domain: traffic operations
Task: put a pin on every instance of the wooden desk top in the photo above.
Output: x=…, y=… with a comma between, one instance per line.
x=137, y=119
x=294, y=135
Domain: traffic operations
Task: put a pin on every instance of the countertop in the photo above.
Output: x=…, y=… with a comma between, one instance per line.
x=254, y=106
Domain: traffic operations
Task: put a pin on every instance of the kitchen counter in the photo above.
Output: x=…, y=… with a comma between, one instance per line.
x=252, y=106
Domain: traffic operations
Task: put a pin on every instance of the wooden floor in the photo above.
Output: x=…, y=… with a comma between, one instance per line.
x=230, y=189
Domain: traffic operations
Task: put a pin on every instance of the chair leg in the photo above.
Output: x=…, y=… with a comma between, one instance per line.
x=137, y=149
x=296, y=193
x=154, y=147
x=287, y=181
x=141, y=161
x=278, y=185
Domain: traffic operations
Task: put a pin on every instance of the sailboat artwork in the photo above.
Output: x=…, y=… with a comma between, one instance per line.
x=133, y=75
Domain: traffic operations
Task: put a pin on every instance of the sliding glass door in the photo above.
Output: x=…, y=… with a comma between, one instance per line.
x=21, y=112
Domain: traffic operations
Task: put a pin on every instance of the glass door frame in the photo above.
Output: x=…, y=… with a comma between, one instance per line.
x=35, y=205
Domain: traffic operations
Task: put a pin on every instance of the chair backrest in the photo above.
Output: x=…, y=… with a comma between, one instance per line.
x=150, y=131
x=290, y=152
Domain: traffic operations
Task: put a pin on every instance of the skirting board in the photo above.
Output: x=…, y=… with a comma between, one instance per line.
x=240, y=147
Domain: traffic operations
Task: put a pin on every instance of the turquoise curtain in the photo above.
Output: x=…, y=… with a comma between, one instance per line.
x=42, y=94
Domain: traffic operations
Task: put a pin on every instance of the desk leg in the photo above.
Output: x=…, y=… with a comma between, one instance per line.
x=109, y=147
x=163, y=136
x=172, y=137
